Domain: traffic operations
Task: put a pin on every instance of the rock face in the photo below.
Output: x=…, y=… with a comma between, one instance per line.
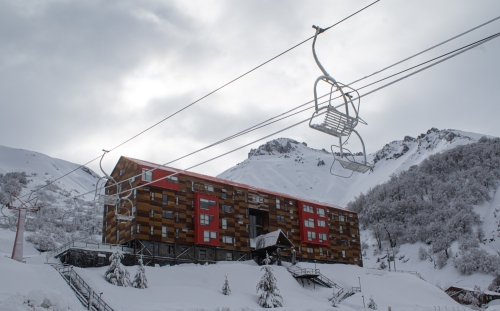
x=424, y=142
x=275, y=146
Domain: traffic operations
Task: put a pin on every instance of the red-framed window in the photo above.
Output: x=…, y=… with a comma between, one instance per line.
x=206, y=219
x=159, y=178
x=313, y=224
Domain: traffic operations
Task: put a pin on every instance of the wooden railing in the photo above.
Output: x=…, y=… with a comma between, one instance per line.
x=75, y=244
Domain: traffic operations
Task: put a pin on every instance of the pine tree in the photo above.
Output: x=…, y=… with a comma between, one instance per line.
x=117, y=274
x=140, y=280
x=371, y=304
x=225, y=288
x=270, y=296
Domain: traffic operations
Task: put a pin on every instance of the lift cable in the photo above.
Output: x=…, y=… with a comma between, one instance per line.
x=457, y=52
x=205, y=96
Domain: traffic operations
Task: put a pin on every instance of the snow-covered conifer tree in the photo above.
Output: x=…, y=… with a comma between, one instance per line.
x=140, y=280
x=270, y=296
x=495, y=284
x=225, y=288
x=117, y=274
x=371, y=304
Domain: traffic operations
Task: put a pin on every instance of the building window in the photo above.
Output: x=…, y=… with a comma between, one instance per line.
x=132, y=230
x=227, y=239
x=233, y=195
x=281, y=218
x=147, y=175
x=207, y=235
x=341, y=218
x=117, y=235
x=173, y=179
x=310, y=250
x=134, y=209
x=176, y=200
x=177, y=217
x=138, y=228
x=229, y=256
x=192, y=186
x=106, y=226
x=134, y=193
x=256, y=198
x=209, y=188
x=152, y=214
x=204, y=220
x=167, y=214
x=321, y=251
x=107, y=210
x=224, y=223
x=341, y=229
x=223, y=193
x=308, y=208
x=202, y=254
x=164, y=231
x=321, y=223
x=322, y=237
x=320, y=212
x=177, y=233
x=119, y=187
x=343, y=253
x=164, y=199
x=152, y=230
x=118, y=222
x=226, y=208
x=311, y=235
x=152, y=196
x=121, y=172
x=205, y=204
x=343, y=243
x=309, y=223
x=132, y=179
x=278, y=203
x=246, y=197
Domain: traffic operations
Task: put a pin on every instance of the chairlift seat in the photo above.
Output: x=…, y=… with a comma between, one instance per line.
x=336, y=123
x=107, y=199
x=354, y=166
x=124, y=218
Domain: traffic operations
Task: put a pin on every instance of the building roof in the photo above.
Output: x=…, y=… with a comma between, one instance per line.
x=470, y=289
x=270, y=239
x=232, y=183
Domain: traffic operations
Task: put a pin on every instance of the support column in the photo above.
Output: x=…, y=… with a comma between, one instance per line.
x=17, y=252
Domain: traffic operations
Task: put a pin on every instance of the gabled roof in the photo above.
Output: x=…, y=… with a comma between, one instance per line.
x=232, y=183
x=275, y=238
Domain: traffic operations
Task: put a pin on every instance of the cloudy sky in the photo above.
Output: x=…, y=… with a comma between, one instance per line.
x=80, y=76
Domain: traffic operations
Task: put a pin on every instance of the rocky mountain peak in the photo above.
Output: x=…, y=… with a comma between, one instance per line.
x=276, y=146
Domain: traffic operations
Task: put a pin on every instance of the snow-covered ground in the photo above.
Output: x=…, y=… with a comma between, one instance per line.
x=196, y=287
x=19, y=280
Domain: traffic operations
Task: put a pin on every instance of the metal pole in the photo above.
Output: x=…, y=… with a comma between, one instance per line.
x=364, y=307
x=359, y=280
x=394, y=258
x=388, y=259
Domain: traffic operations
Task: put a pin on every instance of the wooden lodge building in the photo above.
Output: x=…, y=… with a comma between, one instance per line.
x=189, y=217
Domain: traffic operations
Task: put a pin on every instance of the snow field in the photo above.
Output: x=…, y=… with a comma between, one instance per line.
x=192, y=287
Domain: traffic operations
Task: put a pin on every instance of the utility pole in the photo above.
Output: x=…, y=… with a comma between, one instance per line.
x=17, y=251
x=388, y=259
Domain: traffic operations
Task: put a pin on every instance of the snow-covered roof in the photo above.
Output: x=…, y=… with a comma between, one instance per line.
x=470, y=289
x=269, y=239
x=232, y=183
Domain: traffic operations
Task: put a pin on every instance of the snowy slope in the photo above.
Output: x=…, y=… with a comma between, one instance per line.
x=191, y=287
x=291, y=167
x=21, y=278
x=41, y=168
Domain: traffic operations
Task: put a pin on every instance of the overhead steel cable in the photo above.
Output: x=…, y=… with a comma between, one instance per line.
x=455, y=53
x=428, y=49
x=207, y=95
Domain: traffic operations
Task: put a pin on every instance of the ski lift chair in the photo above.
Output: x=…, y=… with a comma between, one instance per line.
x=347, y=160
x=113, y=199
x=336, y=123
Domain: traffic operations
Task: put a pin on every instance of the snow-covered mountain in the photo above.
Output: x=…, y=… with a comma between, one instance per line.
x=288, y=166
x=41, y=168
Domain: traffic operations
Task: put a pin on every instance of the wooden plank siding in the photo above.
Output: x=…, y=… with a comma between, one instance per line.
x=240, y=198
